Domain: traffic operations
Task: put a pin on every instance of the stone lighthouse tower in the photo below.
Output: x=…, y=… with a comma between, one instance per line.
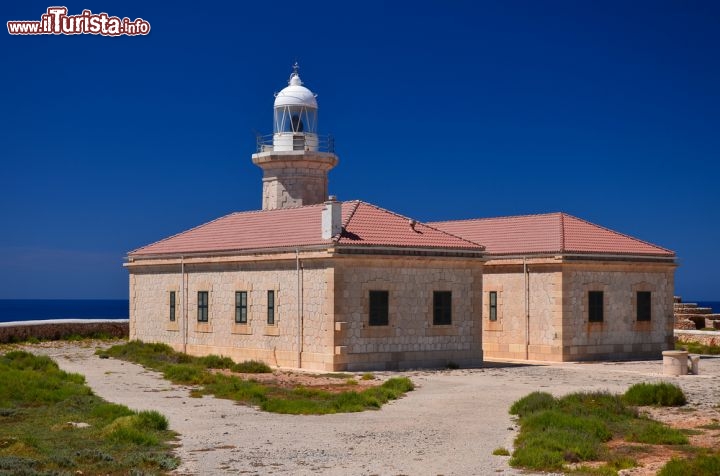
x=295, y=159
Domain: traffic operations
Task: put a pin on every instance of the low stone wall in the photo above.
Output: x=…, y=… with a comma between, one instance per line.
x=699, y=337
x=61, y=328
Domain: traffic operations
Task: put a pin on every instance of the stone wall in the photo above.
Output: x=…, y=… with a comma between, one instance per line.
x=276, y=344
x=508, y=337
x=62, y=328
x=700, y=337
x=294, y=178
x=620, y=335
x=410, y=339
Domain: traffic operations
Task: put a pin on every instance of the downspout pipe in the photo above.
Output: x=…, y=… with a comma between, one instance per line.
x=183, y=299
x=299, y=309
x=526, y=273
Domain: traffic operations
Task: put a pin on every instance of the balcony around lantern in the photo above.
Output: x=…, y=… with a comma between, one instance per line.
x=286, y=141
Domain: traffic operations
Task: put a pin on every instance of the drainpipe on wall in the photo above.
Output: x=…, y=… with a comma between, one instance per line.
x=526, y=272
x=183, y=298
x=299, y=308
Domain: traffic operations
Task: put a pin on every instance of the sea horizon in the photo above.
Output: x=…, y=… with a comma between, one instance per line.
x=12, y=310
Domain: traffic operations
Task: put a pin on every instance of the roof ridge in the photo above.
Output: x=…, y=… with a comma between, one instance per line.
x=502, y=217
x=562, y=232
x=421, y=223
x=621, y=234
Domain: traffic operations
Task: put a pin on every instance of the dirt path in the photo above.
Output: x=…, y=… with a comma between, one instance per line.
x=449, y=425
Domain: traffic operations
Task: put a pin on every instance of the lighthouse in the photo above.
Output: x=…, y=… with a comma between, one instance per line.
x=295, y=159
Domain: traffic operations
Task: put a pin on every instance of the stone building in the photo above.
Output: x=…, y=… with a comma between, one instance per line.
x=558, y=288
x=312, y=282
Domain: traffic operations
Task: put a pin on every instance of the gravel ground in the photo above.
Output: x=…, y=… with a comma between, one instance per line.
x=449, y=425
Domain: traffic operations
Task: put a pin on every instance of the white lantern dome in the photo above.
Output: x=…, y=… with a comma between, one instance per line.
x=295, y=94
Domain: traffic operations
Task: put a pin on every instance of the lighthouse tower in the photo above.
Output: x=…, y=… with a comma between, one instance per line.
x=295, y=160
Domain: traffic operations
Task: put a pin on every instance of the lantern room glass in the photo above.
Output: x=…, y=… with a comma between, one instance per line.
x=295, y=119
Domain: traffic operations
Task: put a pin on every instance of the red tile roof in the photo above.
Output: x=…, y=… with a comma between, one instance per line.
x=548, y=233
x=363, y=225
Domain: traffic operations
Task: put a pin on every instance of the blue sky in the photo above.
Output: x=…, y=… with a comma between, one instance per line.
x=609, y=111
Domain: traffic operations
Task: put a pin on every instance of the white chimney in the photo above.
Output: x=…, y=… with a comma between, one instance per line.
x=331, y=218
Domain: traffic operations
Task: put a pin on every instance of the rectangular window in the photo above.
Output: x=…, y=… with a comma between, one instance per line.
x=241, y=307
x=379, y=308
x=442, y=308
x=595, y=303
x=271, y=308
x=643, y=305
x=493, y=305
x=172, y=306
x=202, y=306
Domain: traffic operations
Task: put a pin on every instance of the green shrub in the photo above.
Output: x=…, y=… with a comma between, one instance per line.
x=703, y=465
x=501, y=452
x=252, y=367
x=533, y=402
x=654, y=433
x=110, y=411
x=131, y=434
x=603, y=405
x=185, y=374
x=153, y=420
x=224, y=386
x=589, y=425
x=368, y=376
x=216, y=362
x=42, y=399
x=697, y=348
x=140, y=428
x=662, y=394
x=185, y=369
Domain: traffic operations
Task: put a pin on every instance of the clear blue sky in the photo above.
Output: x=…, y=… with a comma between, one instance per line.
x=609, y=111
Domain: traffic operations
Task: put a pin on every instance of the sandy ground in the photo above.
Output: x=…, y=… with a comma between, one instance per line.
x=449, y=425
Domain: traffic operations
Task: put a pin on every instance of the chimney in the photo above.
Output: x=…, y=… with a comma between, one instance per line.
x=331, y=218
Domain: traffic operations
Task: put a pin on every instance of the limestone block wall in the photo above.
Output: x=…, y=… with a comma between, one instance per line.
x=620, y=335
x=410, y=339
x=294, y=178
x=294, y=187
x=276, y=344
x=507, y=337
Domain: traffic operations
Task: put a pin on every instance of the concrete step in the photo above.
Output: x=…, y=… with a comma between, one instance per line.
x=693, y=310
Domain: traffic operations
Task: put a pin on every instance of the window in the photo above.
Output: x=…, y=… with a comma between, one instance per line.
x=643, y=305
x=271, y=308
x=202, y=306
x=442, y=308
x=493, y=305
x=595, y=306
x=241, y=307
x=172, y=306
x=379, y=308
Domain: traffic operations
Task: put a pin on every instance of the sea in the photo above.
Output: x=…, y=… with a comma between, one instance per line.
x=44, y=309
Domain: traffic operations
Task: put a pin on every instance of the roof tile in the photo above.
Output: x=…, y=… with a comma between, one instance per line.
x=548, y=233
x=364, y=225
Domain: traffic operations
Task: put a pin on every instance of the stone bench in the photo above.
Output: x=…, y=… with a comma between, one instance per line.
x=678, y=362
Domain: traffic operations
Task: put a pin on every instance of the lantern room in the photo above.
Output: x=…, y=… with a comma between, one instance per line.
x=295, y=119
